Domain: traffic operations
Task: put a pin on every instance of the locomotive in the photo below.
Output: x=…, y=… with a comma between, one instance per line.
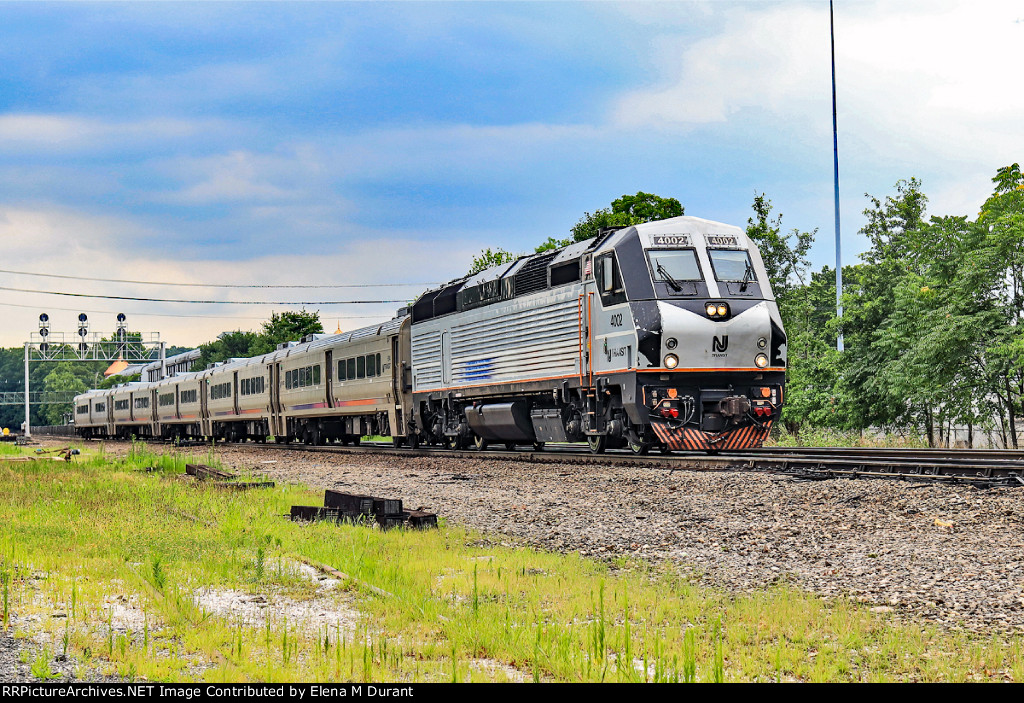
x=664, y=334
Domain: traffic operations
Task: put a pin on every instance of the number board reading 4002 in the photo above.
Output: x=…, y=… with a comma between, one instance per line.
x=721, y=240
x=670, y=240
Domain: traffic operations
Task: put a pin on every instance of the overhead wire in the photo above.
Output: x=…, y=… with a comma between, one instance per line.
x=160, y=314
x=205, y=302
x=216, y=285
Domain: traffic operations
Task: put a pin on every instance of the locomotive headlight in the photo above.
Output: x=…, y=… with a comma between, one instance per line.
x=671, y=342
x=672, y=361
x=761, y=361
x=711, y=309
x=762, y=343
x=723, y=310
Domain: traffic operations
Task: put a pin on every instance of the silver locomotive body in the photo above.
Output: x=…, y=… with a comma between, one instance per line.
x=665, y=333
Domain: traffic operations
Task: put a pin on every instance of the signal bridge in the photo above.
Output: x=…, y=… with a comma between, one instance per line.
x=36, y=398
x=58, y=346
x=47, y=345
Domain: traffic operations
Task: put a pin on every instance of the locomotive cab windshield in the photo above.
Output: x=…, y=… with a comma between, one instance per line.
x=678, y=269
x=734, y=268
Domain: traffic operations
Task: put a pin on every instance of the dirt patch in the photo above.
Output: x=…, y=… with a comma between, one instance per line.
x=329, y=608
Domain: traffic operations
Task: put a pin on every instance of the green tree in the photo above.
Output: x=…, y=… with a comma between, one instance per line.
x=288, y=326
x=625, y=211
x=228, y=345
x=784, y=256
x=894, y=229
x=647, y=207
x=1001, y=224
x=488, y=258
x=552, y=243
x=117, y=380
x=61, y=379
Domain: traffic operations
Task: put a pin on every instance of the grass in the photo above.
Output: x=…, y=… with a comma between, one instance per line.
x=827, y=437
x=123, y=555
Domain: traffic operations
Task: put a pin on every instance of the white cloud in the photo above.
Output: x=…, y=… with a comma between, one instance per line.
x=423, y=151
x=41, y=132
x=62, y=235
x=926, y=89
x=73, y=243
x=233, y=177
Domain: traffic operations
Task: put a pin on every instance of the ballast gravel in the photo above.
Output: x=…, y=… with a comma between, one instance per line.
x=947, y=554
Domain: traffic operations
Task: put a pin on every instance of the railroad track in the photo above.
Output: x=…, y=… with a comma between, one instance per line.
x=982, y=468
x=979, y=467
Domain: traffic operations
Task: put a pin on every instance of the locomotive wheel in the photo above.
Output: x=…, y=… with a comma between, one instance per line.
x=597, y=443
x=639, y=448
x=480, y=443
x=664, y=449
x=510, y=446
x=397, y=442
x=414, y=441
x=356, y=439
x=538, y=446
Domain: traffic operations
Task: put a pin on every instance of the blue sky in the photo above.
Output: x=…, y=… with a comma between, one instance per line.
x=366, y=143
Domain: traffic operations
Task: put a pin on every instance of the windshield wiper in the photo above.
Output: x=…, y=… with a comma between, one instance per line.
x=748, y=277
x=676, y=285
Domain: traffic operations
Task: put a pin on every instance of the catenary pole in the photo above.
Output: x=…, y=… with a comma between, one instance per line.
x=28, y=422
x=835, y=151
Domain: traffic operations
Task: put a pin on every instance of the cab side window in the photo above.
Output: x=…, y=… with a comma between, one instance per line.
x=609, y=280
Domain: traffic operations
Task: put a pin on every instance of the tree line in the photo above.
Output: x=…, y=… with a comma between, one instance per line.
x=932, y=317
x=931, y=321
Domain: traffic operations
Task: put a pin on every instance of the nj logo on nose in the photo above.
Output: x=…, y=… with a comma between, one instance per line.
x=720, y=345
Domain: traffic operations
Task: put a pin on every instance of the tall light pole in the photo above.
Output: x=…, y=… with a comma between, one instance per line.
x=28, y=422
x=835, y=149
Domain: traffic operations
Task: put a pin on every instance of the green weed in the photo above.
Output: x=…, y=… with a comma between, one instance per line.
x=101, y=529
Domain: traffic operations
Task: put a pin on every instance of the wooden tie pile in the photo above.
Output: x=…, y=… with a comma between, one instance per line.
x=223, y=479
x=348, y=507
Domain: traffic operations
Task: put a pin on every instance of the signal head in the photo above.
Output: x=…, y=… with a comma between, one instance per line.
x=82, y=317
x=121, y=317
x=43, y=317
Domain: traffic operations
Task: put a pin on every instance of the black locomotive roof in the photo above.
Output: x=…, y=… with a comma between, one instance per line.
x=527, y=274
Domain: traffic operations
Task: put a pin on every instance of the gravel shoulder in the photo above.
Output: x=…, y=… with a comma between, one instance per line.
x=949, y=555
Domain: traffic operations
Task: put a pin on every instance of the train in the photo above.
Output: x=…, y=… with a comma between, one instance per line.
x=659, y=335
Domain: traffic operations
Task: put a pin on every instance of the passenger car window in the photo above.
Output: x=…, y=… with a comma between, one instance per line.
x=361, y=367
